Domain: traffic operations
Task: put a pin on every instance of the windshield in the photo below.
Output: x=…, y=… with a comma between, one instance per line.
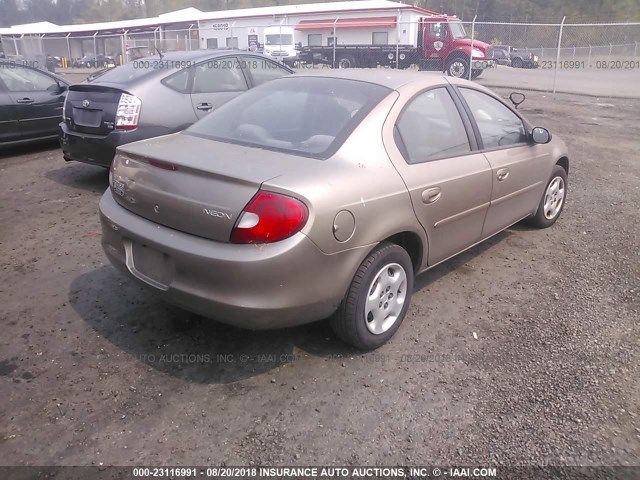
x=457, y=30
x=284, y=39
x=301, y=115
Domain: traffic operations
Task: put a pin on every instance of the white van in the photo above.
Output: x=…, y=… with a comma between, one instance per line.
x=279, y=44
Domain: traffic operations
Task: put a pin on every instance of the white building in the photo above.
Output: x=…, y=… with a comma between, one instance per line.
x=366, y=22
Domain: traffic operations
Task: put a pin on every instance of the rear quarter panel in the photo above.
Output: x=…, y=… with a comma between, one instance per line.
x=163, y=109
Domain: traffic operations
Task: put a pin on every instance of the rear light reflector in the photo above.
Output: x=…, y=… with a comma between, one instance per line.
x=128, y=112
x=270, y=217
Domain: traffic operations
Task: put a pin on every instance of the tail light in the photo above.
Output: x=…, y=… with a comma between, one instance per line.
x=270, y=217
x=64, y=108
x=128, y=112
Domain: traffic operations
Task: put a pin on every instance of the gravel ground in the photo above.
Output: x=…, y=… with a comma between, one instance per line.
x=94, y=370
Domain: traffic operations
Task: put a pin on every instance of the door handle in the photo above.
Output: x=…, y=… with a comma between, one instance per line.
x=502, y=174
x=205, y=107
x=431, y=195
x=25, y=100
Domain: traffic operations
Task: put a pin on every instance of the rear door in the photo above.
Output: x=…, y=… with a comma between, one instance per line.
x=37, y=100
x=518, y=179
x=215, y=82
x=448, y=180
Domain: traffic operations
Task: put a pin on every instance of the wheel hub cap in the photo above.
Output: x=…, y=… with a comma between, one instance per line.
x=385, y=299
x=457, y=69
x=554, y=198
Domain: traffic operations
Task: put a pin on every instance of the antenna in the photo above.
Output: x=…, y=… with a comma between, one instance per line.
x=158, y=51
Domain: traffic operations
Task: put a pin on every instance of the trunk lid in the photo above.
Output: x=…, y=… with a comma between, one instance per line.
x=92, y=108
x=195, y=185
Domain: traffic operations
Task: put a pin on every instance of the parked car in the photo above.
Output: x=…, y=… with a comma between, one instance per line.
x=318, y=196
x=94, y=61
x=517, y=58
x=501, y=56
x=31, y=103
x=155, y=96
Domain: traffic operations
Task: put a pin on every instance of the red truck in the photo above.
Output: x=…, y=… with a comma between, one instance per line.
x=442, y=44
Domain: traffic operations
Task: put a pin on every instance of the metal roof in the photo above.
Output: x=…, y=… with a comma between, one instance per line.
x=194, y=15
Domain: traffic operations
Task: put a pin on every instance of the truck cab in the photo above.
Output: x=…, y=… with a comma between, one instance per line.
x=279, y=44
x=445, y=45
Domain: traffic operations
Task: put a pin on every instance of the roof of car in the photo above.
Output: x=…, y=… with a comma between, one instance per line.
x=393, y=79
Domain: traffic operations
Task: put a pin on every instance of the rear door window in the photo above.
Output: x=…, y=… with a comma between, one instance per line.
x=219, y=75
x=430, y=128
x=263, y=70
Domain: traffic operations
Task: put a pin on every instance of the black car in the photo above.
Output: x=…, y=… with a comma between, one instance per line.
x=31, y=102
x=155, y=96
x=501, y=56
x=516, y=58
x=94, y=61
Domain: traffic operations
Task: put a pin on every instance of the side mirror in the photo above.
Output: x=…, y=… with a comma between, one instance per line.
x=517, y=98
x=57, y=88
x=540, y=135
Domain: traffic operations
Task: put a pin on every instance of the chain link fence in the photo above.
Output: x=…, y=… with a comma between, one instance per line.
x=595, y=59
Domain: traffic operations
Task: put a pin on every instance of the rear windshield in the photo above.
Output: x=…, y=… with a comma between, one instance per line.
x=302, y=115
x=138, y=69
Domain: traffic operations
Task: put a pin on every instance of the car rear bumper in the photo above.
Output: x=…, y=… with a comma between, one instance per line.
x=268, y=286
x=88, y=148
x=97, y=149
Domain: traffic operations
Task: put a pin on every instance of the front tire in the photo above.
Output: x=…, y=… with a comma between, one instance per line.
x=553, y=199
x=516, y=63
x=377, y=300
x=458, y=67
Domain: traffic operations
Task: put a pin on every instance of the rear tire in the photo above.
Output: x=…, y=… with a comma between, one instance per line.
x=475, y=74
x=458, y=67
x=377, y=299
x=346, y=61
x=552, y=201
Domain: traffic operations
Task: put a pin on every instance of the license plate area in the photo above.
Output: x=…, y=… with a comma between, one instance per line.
x=149, y=265
x=87, y=117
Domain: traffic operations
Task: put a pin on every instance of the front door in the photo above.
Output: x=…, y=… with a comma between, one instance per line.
x=518, y=180
x=436, y=37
